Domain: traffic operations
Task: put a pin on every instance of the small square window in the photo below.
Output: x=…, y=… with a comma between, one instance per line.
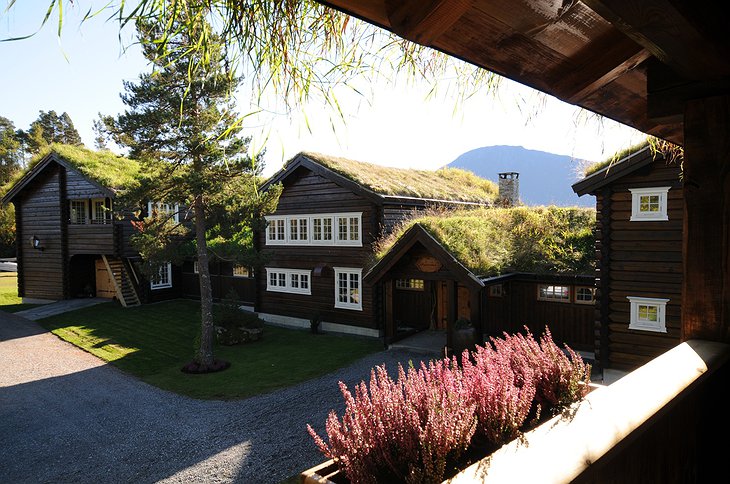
x=163, y=278
x=409, y=284
x=648, y=314
x=347, y=288
x=78, y=209
x=496, y=290
x=649, y=204
x=584, y=295
x=241, y=271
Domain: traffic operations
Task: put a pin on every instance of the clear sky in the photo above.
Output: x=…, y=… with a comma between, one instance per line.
x=83, y=73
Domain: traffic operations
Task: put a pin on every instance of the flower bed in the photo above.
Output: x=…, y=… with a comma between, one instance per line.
x=431, y=421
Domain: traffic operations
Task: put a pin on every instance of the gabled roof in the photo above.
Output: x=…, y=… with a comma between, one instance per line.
x=492, y=241
x=107, y=171
x=380, y=183
x=614, y=171
x=418, y=234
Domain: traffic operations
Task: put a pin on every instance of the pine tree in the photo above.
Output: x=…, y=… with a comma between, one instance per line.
x=183, y=129
x=49, y=128
x=11, y=153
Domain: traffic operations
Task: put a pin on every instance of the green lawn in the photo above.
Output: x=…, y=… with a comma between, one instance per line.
x=154, y=341
x=9, y=300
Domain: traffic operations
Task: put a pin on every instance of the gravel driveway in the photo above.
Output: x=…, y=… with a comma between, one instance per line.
x=66, y=416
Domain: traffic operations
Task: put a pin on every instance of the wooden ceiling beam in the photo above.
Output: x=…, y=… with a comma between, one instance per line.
x=599, y=67
x=424, y=21
x=661, y=28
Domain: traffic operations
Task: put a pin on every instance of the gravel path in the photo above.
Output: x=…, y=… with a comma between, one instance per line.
x=66, y=416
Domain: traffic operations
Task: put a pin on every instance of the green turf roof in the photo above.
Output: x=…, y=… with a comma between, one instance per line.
x=494, y=241
x=104, y=167
x=451, y=184
x=591, y=169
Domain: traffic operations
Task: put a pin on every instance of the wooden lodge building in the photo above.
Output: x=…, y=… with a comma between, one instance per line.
x=320, y=248
x=73, y=242
x=640, y=218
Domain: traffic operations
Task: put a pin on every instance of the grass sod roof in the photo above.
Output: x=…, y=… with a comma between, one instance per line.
x=494, y=241
x=450, y=184
x=620, y=155
x=104, y=167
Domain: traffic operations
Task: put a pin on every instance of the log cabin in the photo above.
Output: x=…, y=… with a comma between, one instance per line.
x=71, y=239
x=501, y=269
x=640, y=219
x=318, y=243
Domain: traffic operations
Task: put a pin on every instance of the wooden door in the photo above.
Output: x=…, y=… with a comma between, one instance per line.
x=104, y=284
x=412, y=306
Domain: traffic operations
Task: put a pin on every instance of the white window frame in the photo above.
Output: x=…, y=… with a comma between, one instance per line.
x=548, y=298
x=637, y=215
x=579, y=301
x=164, y=208
x=274, y=229
x=643, y=324
x=275, y=237
x=165, y=269
x=71, y=219
x=356, y=306
x=288, y=286
x=238, y=267
x=196, y=268
x=105, y=217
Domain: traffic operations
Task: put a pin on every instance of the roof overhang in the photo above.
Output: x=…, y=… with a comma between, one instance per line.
x=41, y=166
x=414, y=235
x=636, y=63
x=615, y=171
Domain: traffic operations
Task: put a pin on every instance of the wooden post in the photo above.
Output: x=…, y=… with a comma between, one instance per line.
x=63, y=217
x=604, y=286
x=389, y=325
x=452, y=314
x=706, y=239
x=476, y=295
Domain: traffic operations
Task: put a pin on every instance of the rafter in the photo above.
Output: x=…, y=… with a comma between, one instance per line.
x=423, y=21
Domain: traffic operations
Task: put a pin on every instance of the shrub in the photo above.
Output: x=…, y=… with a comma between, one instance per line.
x=560, y=378
x=502, y=392
x=234, y=325
x=314, y=322
x=401, y=431
x=414, y=428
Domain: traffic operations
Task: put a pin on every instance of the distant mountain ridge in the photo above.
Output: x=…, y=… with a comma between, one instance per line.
x=545, y=178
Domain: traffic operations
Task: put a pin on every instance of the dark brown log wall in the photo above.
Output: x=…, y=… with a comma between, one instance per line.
x=41, y=216
x=645, y=260
x=311, y=193
x=569, y=323
x=222, y=281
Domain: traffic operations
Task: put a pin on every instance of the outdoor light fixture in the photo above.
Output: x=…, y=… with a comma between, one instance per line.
x=35, y=242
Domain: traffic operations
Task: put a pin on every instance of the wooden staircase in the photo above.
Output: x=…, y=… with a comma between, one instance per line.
x=121, y=278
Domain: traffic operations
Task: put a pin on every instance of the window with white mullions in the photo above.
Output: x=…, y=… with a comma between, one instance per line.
x=649, y=204
x=296, y=281
x=164, y=210
x=298, y=229
x=552, y=292
x=100, y=214
x=648, y=314
x=78, y=210
x=347, y=288
x=162, y=278
x=584, y=295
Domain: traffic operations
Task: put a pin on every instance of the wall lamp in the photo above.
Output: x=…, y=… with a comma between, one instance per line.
x=35, y=242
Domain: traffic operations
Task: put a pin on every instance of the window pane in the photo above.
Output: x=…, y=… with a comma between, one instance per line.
x=293, y=232
x=342, y=228
x=282, y=279
x=317, y=229
x=280, y=230
x=354, y=288
x=302, y=229
x=342, y=287
x=304, y=281
x=327, y=235
x=354, y=226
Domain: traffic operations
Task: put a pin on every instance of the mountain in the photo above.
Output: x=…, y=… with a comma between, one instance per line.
x=545, y=178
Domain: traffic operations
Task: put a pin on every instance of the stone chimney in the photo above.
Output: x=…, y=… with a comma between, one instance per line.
x=509, y=189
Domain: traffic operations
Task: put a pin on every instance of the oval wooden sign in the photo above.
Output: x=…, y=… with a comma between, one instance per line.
x=428, y=264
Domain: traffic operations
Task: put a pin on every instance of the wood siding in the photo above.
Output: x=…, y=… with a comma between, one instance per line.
x=569, y=323
x=90, y=239
x=222, y=281
x=310, y=194
x=644, y=260
x=40, y=216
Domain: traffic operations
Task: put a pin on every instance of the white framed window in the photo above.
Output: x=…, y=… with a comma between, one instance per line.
x=322, y=230
x=648, y=314
x=164, y=209
x=296, y=281
x=163, y=278
x=649, y=204
x=585, y=295
x=348, y=291
x=100, y=214
x=276, y=230
x=343, y=229
x=348, y=229
x=196, y=267
x=78, y=211
x=496, y=290
x=552, y=292
x=409, y=284
x=299, y=230
x=241, y=271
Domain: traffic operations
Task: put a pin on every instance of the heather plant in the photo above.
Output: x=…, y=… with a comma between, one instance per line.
x=560, y=377
x=404, y=430
x=502, y=392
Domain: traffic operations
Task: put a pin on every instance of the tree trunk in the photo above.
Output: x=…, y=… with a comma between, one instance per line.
x=205, y=352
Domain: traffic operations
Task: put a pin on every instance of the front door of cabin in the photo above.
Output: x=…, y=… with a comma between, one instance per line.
x=104, y=284
x=412, y=304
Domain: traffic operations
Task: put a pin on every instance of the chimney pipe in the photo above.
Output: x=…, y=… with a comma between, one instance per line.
x=509, y=189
